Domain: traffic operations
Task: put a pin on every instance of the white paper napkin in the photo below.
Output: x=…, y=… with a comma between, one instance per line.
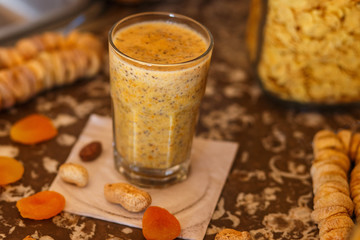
x=191, y=201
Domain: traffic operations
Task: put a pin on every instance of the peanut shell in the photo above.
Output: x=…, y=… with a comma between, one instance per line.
x=74, y=173
x=128, y=196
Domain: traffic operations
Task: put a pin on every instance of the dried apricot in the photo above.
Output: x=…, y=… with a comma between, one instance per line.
x=33, y=129
x=10, y=170
x=28, y=237
x=159, y=224
x=42, y=205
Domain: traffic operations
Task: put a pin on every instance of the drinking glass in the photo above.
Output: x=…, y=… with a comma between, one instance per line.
x=155, y=105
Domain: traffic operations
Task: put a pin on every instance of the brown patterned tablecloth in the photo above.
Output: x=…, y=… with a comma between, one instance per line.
x=268, y=191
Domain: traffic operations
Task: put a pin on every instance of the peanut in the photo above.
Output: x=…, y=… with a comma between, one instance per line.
x=74, y=173
x=128, y=196
x=231, y=234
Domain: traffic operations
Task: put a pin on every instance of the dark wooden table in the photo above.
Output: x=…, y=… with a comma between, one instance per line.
x=268, y=191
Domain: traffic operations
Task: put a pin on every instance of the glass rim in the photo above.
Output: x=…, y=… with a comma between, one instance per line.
x=171, y=15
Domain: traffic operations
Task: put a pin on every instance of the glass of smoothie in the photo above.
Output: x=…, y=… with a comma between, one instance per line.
x=158, y=68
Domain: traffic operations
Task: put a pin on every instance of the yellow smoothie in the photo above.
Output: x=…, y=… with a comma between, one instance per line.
x=156, y=89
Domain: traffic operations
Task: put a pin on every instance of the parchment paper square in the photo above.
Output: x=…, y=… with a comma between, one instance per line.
x=191, y=201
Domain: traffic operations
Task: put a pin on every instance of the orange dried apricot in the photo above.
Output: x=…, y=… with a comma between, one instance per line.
x=42, y=205
x=28, y=237
x=33, y=129
x=159, y=224
x=10, y=170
